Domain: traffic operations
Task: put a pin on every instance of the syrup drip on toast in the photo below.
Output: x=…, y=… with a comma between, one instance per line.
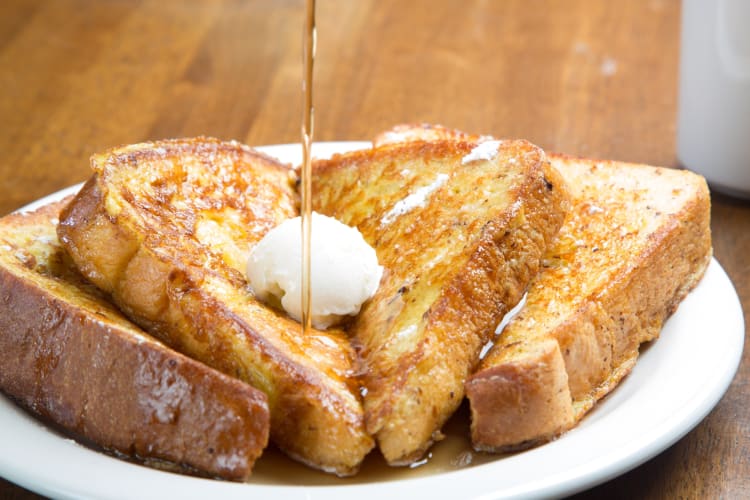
x=309, y=40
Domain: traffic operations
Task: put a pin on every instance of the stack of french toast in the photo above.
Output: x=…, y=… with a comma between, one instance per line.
x=127, y=319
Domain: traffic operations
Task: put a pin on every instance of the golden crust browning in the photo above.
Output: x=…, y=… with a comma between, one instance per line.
x=459, y=241
x=71, y=357
x=185, y=214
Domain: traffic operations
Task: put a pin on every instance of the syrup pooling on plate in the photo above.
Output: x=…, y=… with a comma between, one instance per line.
x=453, y=453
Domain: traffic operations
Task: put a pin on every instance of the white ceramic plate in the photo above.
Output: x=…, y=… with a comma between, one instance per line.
x=660, y=401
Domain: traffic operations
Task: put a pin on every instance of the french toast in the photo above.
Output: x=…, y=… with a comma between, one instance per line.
x=459, y=233
x=637, y=240
x=166, y=229
x=68, y=355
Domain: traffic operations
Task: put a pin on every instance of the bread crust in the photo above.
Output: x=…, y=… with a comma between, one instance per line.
x=530, y=395
x=453, y=266
x=184, y=214
x=70, y=357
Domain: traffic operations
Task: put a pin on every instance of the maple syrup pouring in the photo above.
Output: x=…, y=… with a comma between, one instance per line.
x=309, y=40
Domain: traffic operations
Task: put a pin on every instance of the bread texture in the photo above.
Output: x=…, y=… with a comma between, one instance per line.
x=166, y=229
x=460, y=233
x=69, y=356
x=636, y=241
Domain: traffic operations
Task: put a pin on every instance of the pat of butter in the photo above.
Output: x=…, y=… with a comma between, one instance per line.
x=344, y=269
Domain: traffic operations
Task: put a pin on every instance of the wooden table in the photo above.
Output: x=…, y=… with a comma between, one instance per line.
x=586, y=77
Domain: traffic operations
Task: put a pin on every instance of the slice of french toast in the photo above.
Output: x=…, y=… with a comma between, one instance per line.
x=637, y=240
x=68, y=355
x=460, y=232
x=166, y=229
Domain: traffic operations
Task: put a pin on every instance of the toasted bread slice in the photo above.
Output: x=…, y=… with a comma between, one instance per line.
x=637, y=240
x=68, y=355
x=459, y=232
x=166, y=228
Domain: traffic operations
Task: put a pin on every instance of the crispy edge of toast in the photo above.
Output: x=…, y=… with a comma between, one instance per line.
x=315, y=419
x=70, y=357
x=527, y=400
x=500, y=262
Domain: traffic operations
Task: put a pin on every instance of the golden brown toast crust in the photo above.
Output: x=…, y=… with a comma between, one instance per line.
x=636, y=242
x=69, y=356
x=183, y=215
x=457, y=254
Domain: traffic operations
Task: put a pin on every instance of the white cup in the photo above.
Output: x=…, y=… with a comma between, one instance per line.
x=713, y=122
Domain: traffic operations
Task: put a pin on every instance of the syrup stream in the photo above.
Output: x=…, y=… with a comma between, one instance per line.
x=309, y=40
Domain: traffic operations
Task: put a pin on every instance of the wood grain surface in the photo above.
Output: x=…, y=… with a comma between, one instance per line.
x=586, y=77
